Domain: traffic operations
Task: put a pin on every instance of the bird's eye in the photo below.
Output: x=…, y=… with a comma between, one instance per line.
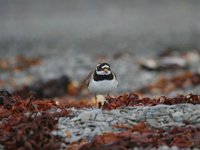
x=99, y=68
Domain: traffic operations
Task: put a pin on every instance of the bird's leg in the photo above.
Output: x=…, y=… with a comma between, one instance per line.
x=95, y=99
x=108, y=95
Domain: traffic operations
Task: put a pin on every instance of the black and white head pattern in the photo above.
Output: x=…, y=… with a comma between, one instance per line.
x=103, y=69
x=103, y=72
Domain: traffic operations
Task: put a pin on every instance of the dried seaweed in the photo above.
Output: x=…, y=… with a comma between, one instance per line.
x=133, y=99
x=19, y=63
x=29, y=132
x=167, y=85
x=142, y=136
x=27, y=124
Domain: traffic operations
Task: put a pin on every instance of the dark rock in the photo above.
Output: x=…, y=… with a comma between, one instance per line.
x=50, y=89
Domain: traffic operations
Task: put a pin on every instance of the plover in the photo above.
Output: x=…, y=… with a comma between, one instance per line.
x=102, y=80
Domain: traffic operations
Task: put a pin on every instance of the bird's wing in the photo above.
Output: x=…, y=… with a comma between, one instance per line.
x=116, y=78
x=86, y=81
x=88, y=78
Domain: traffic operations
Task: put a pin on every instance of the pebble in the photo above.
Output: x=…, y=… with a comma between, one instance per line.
x=87, y=131
x=27, y=114
x=109, y=119
x=85, y=116
x=73, y=139
x=100, y=117
x=113, y=122
x=178, y=116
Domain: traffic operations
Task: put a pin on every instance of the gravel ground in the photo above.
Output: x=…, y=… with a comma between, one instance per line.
x=87, y=123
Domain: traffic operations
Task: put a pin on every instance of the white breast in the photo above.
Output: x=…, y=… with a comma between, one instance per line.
x=103, y=87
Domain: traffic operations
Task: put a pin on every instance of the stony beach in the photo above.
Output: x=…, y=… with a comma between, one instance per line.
x=47, y=49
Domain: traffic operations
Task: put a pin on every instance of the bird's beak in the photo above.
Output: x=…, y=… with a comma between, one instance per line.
x=105, y=70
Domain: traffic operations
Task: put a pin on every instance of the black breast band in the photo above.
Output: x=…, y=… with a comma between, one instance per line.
x=102, y=77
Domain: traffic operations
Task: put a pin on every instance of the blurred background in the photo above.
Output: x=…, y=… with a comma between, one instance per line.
x=44, y=40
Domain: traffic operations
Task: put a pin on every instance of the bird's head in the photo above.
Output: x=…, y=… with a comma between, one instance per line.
x=103, y=69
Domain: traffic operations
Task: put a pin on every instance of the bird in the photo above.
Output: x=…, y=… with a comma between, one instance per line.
x=102, y=80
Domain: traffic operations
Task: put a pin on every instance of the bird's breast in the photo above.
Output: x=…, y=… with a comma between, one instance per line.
x=103, y=87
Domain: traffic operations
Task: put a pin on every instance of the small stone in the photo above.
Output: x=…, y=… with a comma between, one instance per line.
x=165, y=128
x=85, y=116
x=77, y=130
x=97, y=131
x=193, y=118
x=52, y=110
x=116, y=112
x=58, y=110
x=109, y=119
x=171, y=124
x=153, y=122
x=113, y=122
x=95, y=112
x=174, y=148
x=186, y=116
x=178, y=116
x=75, y=119
x=63, y=119
x=148, y=115
x=27, y=114
x=62, y=126
x=164, y=148
x=100, y=117
x=86, y=131
x=73, y=139
x=105, y=128
x=130, y=117
x=39, y=114
x=101, y=124
x=140, y=117
x=160, y=119
x=54, y=133
x=121, y=120
x=163, y=110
